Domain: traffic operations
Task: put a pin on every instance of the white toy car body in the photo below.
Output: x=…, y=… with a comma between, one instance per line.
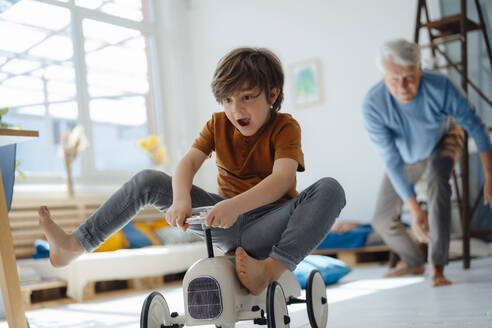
x=214, y=295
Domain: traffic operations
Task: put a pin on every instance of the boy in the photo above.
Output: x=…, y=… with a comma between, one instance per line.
x=257, y=212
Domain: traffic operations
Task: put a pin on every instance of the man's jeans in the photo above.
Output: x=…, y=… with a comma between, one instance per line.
x=287, y=231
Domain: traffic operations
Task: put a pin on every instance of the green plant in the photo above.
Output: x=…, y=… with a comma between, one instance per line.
x=18, y=172
x=3, y=111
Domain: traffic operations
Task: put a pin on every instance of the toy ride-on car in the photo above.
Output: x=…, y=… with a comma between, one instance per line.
x=214, y=295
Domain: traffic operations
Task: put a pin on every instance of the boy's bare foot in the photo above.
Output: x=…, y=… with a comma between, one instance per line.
x=64, y=247
x=255, y=274
x=437, y=276
x=402, y=270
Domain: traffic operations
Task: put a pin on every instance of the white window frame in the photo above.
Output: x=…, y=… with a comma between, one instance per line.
x=91, y=177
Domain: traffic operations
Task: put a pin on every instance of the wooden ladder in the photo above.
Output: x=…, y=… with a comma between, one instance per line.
x=441, y=32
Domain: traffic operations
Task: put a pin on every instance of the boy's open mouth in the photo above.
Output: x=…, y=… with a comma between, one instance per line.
x=243, y=122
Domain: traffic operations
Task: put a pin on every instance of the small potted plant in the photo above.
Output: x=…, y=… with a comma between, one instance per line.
x=7, y=163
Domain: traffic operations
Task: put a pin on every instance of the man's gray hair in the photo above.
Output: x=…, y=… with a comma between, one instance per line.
x=400, y=52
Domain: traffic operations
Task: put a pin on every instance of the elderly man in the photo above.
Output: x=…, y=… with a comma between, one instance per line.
x=411, y=117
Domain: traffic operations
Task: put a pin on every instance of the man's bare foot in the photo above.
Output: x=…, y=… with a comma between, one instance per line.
x=402, y=270
x=255, y=274
x=437, y=276
x=64, y=247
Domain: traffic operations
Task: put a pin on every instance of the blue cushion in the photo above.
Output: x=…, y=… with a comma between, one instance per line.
x=7, y=166
x=42, y=249
x=352, y=239
x=135, y=237
x=330, y=268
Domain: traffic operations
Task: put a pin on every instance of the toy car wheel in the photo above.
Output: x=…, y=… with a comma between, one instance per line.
x=317, y=302
x=277, y=315
x=155, y=311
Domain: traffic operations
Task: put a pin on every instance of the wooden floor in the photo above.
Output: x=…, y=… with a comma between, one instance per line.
x=467, y=303
x=361, y=299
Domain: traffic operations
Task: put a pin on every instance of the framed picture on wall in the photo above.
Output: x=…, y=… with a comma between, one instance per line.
x=307, y=83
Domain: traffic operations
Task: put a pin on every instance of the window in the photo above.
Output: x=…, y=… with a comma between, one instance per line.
x=64, y=63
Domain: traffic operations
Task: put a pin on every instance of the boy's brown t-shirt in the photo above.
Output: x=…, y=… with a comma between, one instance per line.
x=243, y=162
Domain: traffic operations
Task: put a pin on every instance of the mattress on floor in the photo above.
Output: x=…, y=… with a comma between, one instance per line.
x=119, y=265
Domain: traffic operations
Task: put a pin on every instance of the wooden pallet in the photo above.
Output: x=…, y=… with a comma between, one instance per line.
x=363, y=256
x=40, y=294
x=111, y=288
x=96, y=288
x=47, y=293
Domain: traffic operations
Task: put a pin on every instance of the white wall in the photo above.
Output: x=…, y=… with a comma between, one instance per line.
x=173, y=47
x=345, y=35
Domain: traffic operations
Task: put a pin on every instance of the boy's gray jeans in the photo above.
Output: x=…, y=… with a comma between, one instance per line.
x=287, y=231
x=386, y=220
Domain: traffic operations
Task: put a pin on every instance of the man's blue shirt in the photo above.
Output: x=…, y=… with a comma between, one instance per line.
x=407, y=133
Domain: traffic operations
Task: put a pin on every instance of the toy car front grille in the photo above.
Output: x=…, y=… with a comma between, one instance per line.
x=204, y=298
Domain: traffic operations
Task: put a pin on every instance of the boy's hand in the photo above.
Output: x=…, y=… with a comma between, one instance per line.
x=178, y=213
x=223, y=215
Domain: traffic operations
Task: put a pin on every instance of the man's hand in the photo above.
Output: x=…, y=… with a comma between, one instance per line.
x=223, y=215
x=487, y=192
x=420, y=222
x=178, y=213
x=486, y=158
x=420, y=225
x=344, y=226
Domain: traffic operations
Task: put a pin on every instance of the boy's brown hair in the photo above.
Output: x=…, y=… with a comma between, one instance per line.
x=255, y=67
